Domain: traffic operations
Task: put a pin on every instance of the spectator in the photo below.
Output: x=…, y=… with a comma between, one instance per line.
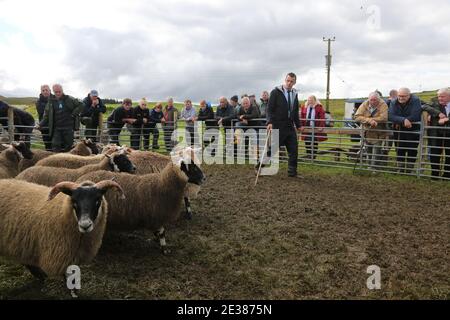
x=118, y=118
x=283, y=114
x=40, y=107
x=188, y=115
x=247, y=114
x=438, y=139
x=90, y=117
x=225, y=112
x=141, y=127
x=206, y=114
x=312, y=115
x=253, y=102
x=264, y=103
x=156, y=116
x=234, y=102
x=61, y=118
x=404, y=112
x=23, y=122
x=373, y=115
x=170, y=118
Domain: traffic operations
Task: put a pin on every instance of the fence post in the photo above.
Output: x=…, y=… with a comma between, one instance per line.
x=361, y=149
x=11, y=124
x=313, y=140
x=421, y=146
x=99, y=132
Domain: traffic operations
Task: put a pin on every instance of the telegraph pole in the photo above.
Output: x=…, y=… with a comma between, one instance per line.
x=328, y=63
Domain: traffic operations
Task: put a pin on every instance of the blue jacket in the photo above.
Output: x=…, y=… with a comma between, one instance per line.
x=412, y=111
x=155, y=117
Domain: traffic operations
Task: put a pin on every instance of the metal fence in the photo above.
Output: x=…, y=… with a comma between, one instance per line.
x=423, y=152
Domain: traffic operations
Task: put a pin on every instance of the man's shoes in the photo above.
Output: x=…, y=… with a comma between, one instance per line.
x=292, y=174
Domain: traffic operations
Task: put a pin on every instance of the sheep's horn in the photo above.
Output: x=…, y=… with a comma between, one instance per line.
x=107, y=184
x=64, y=187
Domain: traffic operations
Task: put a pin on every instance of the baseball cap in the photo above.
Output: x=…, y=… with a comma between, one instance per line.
x=94, y=93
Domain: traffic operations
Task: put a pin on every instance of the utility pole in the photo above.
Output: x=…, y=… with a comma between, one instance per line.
x=328, y=63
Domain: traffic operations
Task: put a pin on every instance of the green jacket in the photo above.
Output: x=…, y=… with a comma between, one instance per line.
x=74, y=105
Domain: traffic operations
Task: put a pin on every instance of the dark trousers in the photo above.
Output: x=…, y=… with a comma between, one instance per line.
x=91, y=128
x=407, y=152
x=153, y=130
x=62, y=140
x=114, y=132
x=310, y=147
x=288, y=138
x=438, y=146
x=46, y=139
x=168, y=138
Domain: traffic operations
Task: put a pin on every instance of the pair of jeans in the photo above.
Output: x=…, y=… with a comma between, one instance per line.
x=374, y=153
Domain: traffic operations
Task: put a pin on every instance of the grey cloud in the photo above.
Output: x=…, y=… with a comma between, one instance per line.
x=239, y=47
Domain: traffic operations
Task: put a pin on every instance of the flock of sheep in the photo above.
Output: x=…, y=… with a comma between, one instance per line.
x=55, y=208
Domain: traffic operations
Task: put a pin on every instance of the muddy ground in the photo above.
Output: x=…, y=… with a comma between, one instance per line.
x=310, y=238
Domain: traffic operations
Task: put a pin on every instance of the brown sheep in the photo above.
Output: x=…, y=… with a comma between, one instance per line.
x=56, y=227
x=10, y=159
x=49, y=176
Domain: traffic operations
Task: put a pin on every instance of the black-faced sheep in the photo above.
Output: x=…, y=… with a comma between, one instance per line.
x=150, y=162
x=10, y=158
x=49, y=176
x=154, y=200
x=56, y=227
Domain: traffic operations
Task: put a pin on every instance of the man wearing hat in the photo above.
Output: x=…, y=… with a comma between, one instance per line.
x=93, y=106
x=283, y=114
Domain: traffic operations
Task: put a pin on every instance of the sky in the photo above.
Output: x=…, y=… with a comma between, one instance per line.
x=204, y=49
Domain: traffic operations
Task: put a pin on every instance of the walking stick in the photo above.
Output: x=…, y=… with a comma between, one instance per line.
x=262, y=157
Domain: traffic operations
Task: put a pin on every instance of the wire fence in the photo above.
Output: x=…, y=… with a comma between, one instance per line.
x=423, y=151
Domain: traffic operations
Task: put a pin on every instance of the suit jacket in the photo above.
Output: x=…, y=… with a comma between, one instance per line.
x=279, y=114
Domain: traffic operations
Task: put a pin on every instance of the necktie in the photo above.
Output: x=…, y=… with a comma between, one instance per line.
x=289, y=103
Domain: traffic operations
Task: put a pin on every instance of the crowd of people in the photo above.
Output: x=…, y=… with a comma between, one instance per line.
x=60, y=116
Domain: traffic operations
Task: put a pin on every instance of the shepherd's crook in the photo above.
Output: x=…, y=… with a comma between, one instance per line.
x=262, y=157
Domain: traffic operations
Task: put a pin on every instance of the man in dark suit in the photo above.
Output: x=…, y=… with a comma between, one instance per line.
x=283, y=114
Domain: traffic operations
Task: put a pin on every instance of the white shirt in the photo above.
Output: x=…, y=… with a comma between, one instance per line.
x=447, y=109
x=313, y=115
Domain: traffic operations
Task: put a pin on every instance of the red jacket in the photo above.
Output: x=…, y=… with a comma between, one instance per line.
x=320, y=115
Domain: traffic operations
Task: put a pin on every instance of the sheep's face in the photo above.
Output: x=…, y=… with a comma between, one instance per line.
x=193, y=172
x=86, y=203
x=92, y=145
x=23, y=149
x=121, y=163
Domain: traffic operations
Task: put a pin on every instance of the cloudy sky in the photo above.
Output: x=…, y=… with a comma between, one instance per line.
x=202, y=49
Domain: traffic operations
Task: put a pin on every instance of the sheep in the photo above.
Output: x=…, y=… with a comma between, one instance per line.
x=49, y=176
x=154, y=199
x=71, y=161
x=10, y=158
x=56, y=227
x=85, y=147
x=81, y=148
x=37, y=156
x=151, y=162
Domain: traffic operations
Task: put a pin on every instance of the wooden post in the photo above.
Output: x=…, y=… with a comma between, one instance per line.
x=11, y=124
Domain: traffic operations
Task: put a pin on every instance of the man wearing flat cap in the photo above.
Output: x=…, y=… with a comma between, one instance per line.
x=93, y=106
